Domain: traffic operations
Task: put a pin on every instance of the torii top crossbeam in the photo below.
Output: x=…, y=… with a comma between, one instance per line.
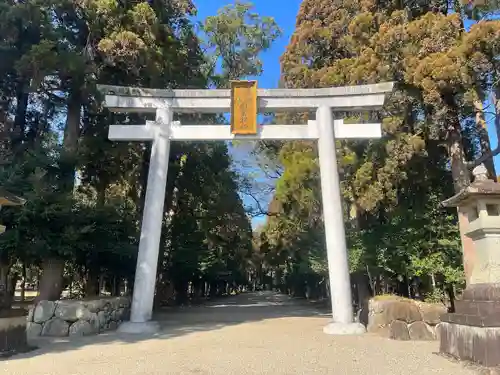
x=131, y=99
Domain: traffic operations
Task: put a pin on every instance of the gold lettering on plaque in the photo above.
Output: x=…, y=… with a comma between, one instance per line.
x=244, y=107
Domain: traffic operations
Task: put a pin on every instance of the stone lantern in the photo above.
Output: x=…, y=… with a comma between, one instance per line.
x=473, y=332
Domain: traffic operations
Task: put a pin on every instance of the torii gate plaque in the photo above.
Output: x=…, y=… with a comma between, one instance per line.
x=244, y=107
x=324, y=129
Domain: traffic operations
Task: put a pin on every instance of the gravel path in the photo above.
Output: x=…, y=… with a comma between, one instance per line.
x=261, y=333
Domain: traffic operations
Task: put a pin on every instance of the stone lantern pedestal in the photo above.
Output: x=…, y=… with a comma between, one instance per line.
x=472, y=332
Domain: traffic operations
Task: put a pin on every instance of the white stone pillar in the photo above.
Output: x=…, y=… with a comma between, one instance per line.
x=338, y=266
x=147, y=259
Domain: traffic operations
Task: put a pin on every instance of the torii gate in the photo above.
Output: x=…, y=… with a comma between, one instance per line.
x=164, y=103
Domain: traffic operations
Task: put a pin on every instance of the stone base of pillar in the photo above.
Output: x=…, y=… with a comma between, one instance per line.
x=335, y=328
x=480, y=345
x=145, y=328
x=472, y=333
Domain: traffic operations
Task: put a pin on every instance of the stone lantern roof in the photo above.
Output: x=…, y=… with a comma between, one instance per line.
x=8, y=199
x=482, y=187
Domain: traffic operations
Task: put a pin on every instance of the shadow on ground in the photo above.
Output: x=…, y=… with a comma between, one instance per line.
x=175, y=322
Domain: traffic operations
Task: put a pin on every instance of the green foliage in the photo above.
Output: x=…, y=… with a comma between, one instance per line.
x=435, y=296
x=234, y=39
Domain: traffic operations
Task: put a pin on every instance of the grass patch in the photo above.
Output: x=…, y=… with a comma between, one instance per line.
x=390, y=297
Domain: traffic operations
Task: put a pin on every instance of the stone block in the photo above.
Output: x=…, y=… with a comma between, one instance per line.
x=31, y=312
x=55, y=327
x=44, y=311
x=123, y=302
x=80, y=328
x=399, y=330
x=95, y=305
x=33, y=330
x=119, y=314
x=482, y=292
x=471, y=343
x=489, y=371
x=71, y=311
x=94, y=323
x=384, y=310
x=432, y=312
x=103, y=318
x=421, y=331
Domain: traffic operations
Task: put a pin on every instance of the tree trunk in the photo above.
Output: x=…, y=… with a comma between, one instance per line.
x=450, y=289
x=101, y=194
x=181, y=292
x=203, y=288
x=5, y=297
x=129, y=285
x=23, y=283
x=51, y=282
x=19, y=128
x=370, y=281
x=14, y=278
x=213, y=289
x=162, y=294
x=363, y=288
x=461, y=179
x=92, y=282
x=459, y=171
x=102, y=285
x=484, y=139
x=197, y=289
x=433, y=282
x=70, y=141
x=116, y=286
x=144, y=176
x=4, y=272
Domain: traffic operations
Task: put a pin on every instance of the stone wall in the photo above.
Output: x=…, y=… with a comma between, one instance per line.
x=12, y=332
x=77, y=318
x=404, y=319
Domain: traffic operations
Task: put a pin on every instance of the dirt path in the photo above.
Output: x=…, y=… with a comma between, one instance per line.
x=261, y=333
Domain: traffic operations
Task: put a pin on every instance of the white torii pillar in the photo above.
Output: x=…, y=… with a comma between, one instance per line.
x=163, y=130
